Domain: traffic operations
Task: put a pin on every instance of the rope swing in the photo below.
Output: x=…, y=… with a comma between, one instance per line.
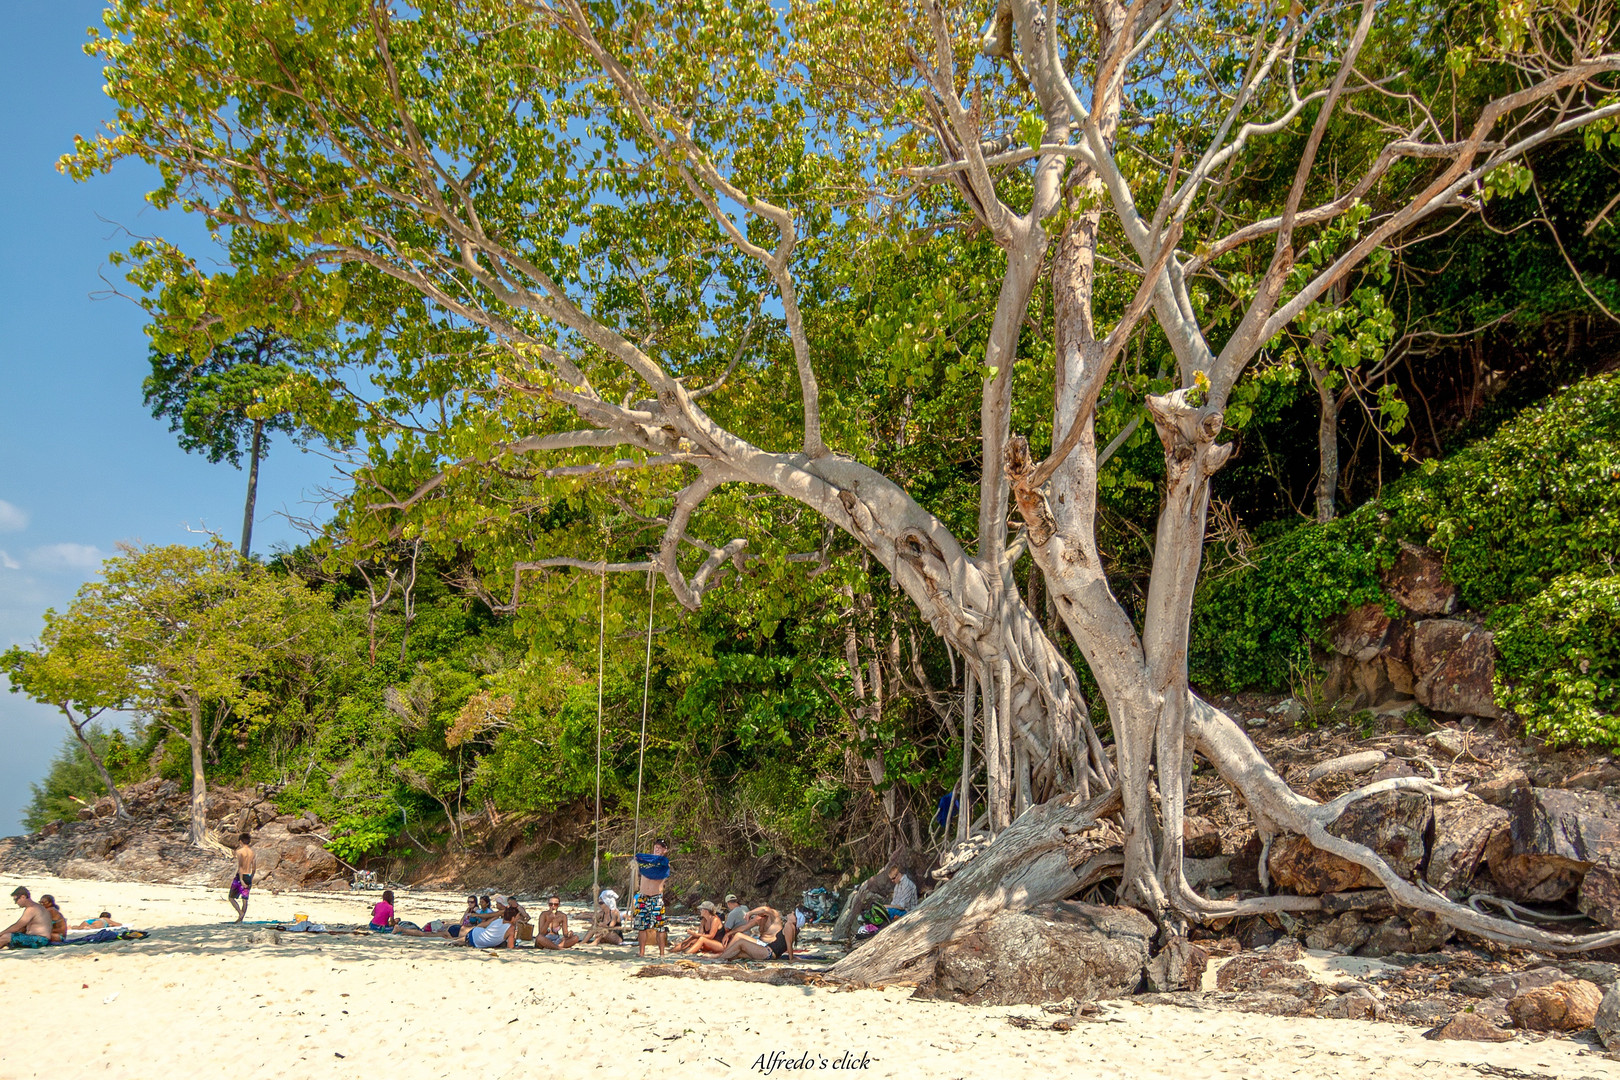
x=601, y=639
x=641, y=752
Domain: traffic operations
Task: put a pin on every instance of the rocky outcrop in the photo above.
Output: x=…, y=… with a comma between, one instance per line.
x=153, y=845
x=1378, y=657
x=1050, y=952
x=1554, y=838
x=1417, y=581
x=1462, y=827
x=1454, y=663
x=1599, y=898
x=1606, y=1021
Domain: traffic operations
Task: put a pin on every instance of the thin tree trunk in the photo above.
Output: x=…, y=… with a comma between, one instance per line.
x=199, y=786
x=252, y=486
x=78, y=727
x=964, y=809
x=1327, y=444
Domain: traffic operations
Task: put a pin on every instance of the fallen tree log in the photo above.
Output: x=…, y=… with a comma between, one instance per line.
x=1051, y=852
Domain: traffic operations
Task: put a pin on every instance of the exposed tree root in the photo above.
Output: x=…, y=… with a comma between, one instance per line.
x=1052, y=851
x=1271, y=800
x=1057, y=849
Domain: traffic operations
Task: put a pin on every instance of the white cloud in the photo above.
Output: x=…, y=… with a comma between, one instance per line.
x=12, y=518
x=62, y=557
x=7, y=562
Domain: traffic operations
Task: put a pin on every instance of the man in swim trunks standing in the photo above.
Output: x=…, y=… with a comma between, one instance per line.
x=243, y=881
x=33, y=930
x=649, y=907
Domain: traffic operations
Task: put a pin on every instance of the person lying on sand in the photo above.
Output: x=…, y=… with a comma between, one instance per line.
x=552, y=931
x=775, y=940
x=33, y=929
x=498, y=933
x=707, y=937
x=101, y=921
x=59, y=926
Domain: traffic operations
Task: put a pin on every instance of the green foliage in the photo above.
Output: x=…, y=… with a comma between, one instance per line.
x=212, y=403
x=1528, y=521
x=1560, y=661
x=72, y=782
x=1538, y=499
x=1253, y=626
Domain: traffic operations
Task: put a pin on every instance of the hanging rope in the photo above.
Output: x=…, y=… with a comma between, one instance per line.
x=646, y=683
x=601, y=639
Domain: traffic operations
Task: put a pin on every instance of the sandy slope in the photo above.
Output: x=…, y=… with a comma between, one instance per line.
x=199, y=998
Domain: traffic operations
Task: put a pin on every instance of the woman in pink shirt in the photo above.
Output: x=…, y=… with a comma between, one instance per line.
x=382, y=916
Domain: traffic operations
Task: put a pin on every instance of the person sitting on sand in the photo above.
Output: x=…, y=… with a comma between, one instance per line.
x=59, y=926
x=552, y=932
x=707, y=937
x=905, y=892
x=243, y=881
x=607, y=909
x=499, y=932
x=33, y=929
x=774, y=941
x=100, y=922
x=736, y=915
x=382, y=914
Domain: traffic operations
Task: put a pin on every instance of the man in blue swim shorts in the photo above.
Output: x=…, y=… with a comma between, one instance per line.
x=33, y=929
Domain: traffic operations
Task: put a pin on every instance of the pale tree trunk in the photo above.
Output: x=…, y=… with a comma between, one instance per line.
x=78, y=727
x=254, y=454
x=199, y=787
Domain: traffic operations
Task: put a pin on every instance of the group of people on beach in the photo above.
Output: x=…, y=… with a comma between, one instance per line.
x=497, y=921
x=42, y=922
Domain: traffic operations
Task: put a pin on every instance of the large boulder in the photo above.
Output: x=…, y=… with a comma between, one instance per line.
x=1599, y=898
x=1461, y=829
x=1360, y=632
x=1580, y=826
x=1606, y=1021
x=1050, y=952
x=1417, y=581
x=1570, y=1005
x=1454, y=662
x=297, y=864
x=1391, y=823
x=1555, y=838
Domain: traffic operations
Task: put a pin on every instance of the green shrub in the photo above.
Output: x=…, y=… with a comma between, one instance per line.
x=1560, y=662
x=1538, y=499
x=1253, y=627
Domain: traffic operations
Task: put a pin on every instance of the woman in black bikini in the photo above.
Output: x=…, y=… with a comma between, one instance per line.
x=775, y=940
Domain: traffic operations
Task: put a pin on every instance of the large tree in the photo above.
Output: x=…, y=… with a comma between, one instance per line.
x=552, y=231
x=177, y=633
x=217, y=406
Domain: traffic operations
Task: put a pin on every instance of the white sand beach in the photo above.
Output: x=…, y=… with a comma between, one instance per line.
x=200, y=997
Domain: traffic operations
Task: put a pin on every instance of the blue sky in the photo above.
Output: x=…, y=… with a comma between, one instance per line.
x=83, y=465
